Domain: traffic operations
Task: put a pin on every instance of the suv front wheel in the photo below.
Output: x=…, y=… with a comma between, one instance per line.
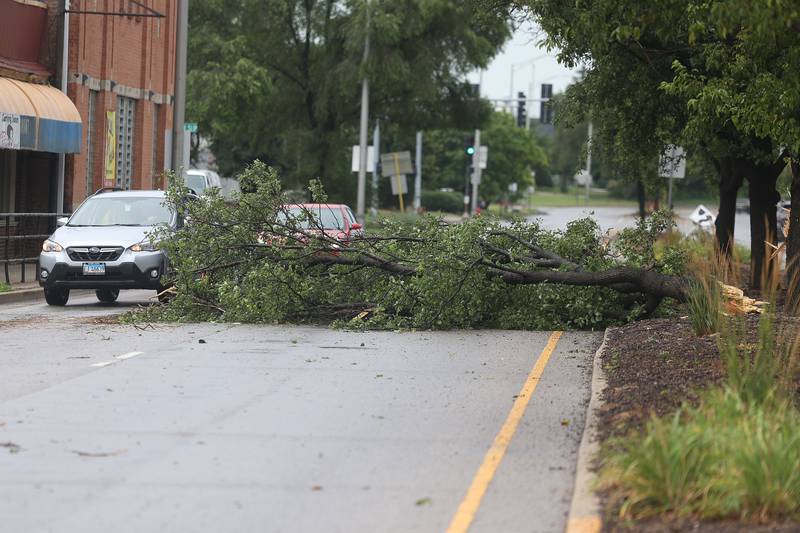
x=107, y=296
x=57, y=297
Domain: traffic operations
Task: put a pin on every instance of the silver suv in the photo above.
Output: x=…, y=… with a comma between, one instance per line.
x=105, y=245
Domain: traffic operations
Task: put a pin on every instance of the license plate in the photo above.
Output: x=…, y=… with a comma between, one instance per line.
x=94, y=269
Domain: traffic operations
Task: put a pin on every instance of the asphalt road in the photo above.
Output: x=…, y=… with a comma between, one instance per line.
x=223, y=428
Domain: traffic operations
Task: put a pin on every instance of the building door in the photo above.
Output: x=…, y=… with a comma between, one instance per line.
x=126, y=128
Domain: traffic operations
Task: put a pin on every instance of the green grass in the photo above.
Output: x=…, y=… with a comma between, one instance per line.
x=4, y=287
x=575, y=198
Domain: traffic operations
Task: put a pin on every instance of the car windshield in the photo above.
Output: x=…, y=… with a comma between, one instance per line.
x=121, y=211
x=326, y=217
x=196, y=183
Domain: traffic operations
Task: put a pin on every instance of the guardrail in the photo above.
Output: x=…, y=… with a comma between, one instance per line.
x=21, y=236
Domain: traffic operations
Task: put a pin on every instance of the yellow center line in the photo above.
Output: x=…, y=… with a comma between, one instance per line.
x=483, y=477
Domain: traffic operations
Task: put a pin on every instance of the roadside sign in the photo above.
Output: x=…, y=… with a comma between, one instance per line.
x=475, y=178
x=483, y=155
x=191, y=127
x=702, y=216
x=582, y=177
x=396, y=164
x=672, y=163
x=401, y=182
x=356, y=160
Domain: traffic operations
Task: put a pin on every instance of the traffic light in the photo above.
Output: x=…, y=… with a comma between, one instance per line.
x=546, y=109
x=469, y=146
x=522, y=115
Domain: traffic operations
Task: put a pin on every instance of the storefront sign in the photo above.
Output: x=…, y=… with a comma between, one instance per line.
x=111, y=149
x=9, y=131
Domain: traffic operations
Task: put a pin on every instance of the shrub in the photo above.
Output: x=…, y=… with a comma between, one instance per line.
x=444, y=201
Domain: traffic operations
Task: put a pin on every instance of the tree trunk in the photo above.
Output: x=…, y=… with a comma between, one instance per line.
x=729, y=184
x=763, y=221
x=793, y=246
x=640, y=196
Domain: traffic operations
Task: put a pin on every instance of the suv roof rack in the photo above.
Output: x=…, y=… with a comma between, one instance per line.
x=107, y=189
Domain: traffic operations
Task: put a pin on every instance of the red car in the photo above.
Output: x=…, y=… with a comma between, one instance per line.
x=335, y=220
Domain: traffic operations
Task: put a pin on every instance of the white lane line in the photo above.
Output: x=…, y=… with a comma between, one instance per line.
x=120, y=357
x=127, y=355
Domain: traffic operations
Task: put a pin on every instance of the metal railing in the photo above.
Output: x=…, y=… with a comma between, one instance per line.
x=21, y=236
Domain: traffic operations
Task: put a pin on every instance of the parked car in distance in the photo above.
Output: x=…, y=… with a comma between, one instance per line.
x=106, y=246
x=334, y=220
x=200, y=181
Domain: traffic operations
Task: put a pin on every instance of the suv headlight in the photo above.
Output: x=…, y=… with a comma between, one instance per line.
x=51, y=246
x=145, y=246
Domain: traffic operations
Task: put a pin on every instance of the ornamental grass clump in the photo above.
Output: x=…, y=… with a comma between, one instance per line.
x=736, y=454
x=726, y=458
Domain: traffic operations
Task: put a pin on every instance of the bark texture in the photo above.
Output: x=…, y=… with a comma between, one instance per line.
x=730, y=182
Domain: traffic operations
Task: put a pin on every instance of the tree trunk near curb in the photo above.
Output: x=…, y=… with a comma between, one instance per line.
x=730, y=181
x=763, y=222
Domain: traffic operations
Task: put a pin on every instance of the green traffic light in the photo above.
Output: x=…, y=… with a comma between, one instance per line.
x=471, y=150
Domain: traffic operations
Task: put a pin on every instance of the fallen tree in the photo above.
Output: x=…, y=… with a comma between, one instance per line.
x=254, y=261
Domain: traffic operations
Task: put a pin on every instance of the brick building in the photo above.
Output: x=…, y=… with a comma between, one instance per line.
x=116, y=131
x=121, y=79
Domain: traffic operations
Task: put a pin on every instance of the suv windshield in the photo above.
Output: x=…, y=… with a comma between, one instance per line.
x=121, y=211
x=196, y=183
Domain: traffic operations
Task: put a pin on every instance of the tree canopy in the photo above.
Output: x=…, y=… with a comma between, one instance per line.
x=280, y=80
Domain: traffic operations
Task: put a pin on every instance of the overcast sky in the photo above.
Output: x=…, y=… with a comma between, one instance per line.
x=532, y=64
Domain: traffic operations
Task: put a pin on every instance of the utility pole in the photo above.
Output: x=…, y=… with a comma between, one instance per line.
x=179, y=103
x=362, y=166
x=418, y=177
x=376, y=146
x=64, y=74
x=476, y=170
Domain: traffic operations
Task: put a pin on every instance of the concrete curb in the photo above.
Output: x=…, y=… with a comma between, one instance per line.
x=585, y=515
x=23, y=295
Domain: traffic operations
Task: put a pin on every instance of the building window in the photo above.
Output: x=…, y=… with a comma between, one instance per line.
x=126, y=128
x=156, y=135
x=91, y=127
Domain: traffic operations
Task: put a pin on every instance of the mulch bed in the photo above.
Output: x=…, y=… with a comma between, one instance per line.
x=653, y=366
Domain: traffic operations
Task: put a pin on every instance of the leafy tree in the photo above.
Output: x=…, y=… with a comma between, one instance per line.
x=680, y=72
x=280, y=80
x=513, y=153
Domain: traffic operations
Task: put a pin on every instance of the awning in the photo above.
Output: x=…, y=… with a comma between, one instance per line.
x=38, y=117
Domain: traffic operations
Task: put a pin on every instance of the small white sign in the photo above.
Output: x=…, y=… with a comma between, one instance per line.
x=403, y=184
x=672, y=163
x=483, y=155
x=356, y=161
x=9, y=131
x=702, y=216
x=582, y=177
